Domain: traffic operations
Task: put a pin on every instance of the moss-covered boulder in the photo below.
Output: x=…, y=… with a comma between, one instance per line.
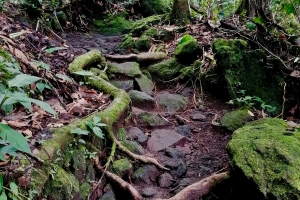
x=113, y=25
x=122, y=167
x=268, y=153
x=171, y=102
x=139, y=26
x=129, y=69
x=187, y=49
x=145, y=84
x=127, y=43
x=166, y=69
x=151, y=7
x=141, y=99
x=143, y=43
x=236, y=119
x=239, y=69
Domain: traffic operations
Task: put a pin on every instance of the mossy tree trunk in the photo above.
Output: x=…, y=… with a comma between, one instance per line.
x=181, y=12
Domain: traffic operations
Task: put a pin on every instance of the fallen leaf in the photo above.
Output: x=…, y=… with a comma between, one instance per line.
x=17, y=124
x=27, y=132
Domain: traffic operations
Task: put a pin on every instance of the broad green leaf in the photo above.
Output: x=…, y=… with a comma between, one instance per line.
x=7, y=108
x=98, y=132
x=89, y=124
x=79, y=131
x=96, y=119
x=15, y=138
x=9, y=149
x=3, y=195
x=289, y=8
x=2, y=158
x=2, y=88
x=1, y=182
x=81, y=141
x=26, y=105
x=2, y=97
x=64, y=77
x=251, y=26
x=84, y=73
x=14, y=188
x=259, y=20
x=42, y=64
x=100, y=124
x=40, y=86
x=42, y=104
x=22, y=80
x=51, y=50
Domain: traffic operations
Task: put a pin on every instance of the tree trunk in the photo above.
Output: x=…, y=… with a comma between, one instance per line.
x=181, y=12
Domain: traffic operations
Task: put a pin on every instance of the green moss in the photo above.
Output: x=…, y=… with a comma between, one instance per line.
x=143, y=43
x=268, y=156
x=151, y=32
x=145, y=84
x=113, y=25
x=186, y=73
x=238, y=69
x=85, y=189
x=121, y=134
x=121, y=166
x=139, y=26
x=160, y=48
x=166, y=69
x=62, y=186
x=84, y=61
x=100, y=73
x=127, y=43
x=38, y=179
x=152, y=7
x=139, y=172
x=188, y=49
x=235, y=119
x=130, y=69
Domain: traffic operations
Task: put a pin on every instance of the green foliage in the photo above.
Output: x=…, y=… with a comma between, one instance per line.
x=94, y=126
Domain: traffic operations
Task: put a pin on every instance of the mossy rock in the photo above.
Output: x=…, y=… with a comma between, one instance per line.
x=85, y=189
x=122, y=166
x=113, y=25
x=235, y=119
x=186, y=73
x=100, y=73
x=63, y=185
x=166, y=69
x=143, y=43
x=151, y=7
x=188, y=49
x=268, y=154
x=62, y=18
x=129, y=69
x=140, y=26
x=145, y=84
x=171, y=102
x=127, y=43
x=239, y=69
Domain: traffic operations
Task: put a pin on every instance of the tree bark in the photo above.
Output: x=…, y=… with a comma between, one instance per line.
x=181, y=12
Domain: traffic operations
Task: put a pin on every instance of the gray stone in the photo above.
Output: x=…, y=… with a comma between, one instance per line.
x=108, y=196
x=163, y=138
x=134, y=147
x=145, y=84
x=198, y=117
x=165, y=180
x=172, y=102
x=138, y=135
x=184, y=130
x=141, y=99
x=180, y=170
x=147, y=119
x=129, y=69
x=145, y=174
x=124, y=85
x=148, y=192
x=174, y=153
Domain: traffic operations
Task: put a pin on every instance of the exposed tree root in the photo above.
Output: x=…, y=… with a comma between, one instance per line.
x=199, y=188
x=143, y=57
x=123, y=184
x=142, y=158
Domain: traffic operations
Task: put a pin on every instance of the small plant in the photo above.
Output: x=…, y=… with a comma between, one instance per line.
x=94, y=126
x=12, y=191
x=252, y=102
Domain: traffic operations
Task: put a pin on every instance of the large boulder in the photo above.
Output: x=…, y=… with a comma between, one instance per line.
x=267, y=151
x=166, y=69
x=239, y=69
x=187, y=49
x=236, y=119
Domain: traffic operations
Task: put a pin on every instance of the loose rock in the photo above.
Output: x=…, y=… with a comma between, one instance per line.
x=148, y=192
x=165, y=180
x=138, y=135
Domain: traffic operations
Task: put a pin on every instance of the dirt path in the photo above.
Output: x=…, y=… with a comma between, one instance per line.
x=201, y=153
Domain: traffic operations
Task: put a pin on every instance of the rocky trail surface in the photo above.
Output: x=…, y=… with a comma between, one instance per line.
x=166, y=124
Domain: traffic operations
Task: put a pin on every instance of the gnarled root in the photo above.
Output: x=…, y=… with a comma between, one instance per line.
x=144, y=159
x=199, y=188
x=123, y=184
